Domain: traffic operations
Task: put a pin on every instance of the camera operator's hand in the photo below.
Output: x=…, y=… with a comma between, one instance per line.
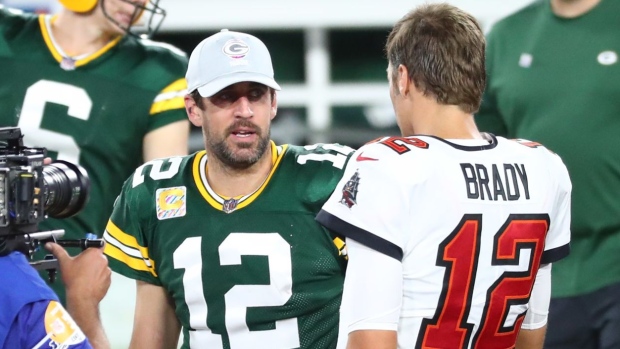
x=86, y=276
x=87, y=279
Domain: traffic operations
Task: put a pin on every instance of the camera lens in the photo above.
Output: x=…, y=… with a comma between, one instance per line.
x=66, y=188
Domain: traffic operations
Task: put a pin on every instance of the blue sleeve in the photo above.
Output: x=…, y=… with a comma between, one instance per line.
x=45, y=324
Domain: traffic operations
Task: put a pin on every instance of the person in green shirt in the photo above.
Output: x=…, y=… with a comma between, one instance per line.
x=82, y=85
x=554, y=77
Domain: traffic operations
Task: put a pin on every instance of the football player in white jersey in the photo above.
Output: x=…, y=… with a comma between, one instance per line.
x=450, y=232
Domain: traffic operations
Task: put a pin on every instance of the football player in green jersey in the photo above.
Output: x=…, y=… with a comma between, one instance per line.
x=79, y=85
x=223, y=243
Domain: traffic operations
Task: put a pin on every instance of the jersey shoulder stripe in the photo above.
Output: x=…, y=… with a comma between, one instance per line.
x=171, y=97
x=126, y=249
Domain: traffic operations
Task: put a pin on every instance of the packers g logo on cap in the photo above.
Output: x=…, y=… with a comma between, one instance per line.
x=235, y=48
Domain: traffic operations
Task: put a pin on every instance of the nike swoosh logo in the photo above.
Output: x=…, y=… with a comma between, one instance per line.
x=363, y=158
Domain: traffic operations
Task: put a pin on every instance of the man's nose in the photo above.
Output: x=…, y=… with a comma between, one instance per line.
x=243, y=108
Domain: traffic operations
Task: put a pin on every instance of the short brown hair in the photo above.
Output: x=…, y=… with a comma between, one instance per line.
x=197, y=99
x=443, y=50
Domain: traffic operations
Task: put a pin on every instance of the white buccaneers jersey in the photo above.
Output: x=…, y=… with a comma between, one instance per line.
x=470, y=224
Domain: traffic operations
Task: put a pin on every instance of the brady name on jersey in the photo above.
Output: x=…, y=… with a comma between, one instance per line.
x=506, y=185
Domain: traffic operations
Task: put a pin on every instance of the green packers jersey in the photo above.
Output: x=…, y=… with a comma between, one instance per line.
x=93, y=110
x=555, y=80
x=250, y=272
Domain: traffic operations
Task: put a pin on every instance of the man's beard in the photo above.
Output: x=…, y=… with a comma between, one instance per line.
x=227, y=156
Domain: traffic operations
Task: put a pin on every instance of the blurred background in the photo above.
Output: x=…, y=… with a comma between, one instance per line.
x=328, y=57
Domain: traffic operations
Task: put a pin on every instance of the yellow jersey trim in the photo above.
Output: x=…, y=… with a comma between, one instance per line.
x=170, y=98
x=216, y=201
x=47, y=37
x=342, y=247
x=125, y=248
x=198, y=159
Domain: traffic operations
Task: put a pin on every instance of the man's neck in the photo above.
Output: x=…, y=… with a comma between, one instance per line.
x=79, y=34
x=444, y=121
x=231, y=182
x=572, y=8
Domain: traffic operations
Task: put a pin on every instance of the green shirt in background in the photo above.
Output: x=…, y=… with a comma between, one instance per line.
x=557, y=81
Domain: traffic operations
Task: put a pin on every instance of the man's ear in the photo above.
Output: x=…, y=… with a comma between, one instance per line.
x=402, y=80
x=274, y=105
x=193, y=111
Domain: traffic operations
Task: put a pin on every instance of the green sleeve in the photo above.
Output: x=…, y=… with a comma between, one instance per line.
x=126, y=246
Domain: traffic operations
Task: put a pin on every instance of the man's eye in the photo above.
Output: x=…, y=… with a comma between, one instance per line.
x=224, y=96
x=256, y=94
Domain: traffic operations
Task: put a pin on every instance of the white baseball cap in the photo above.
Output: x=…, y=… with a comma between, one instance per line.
x=227, y=58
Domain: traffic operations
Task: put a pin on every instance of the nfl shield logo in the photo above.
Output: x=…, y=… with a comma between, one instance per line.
x=229, y=205
x=67, y=63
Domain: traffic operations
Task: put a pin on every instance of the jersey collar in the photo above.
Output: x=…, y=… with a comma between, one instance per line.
x=490, y=138
x=45, y=22
x=227, y=204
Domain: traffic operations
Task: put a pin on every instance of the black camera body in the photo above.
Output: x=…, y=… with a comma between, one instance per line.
x=30, y=192
x=21, y=171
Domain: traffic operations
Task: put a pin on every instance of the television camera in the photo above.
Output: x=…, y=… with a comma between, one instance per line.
x=30, y=192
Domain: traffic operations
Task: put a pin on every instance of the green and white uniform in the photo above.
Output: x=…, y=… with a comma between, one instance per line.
x=97, y=114
x=264, y=275
x=556, y=81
